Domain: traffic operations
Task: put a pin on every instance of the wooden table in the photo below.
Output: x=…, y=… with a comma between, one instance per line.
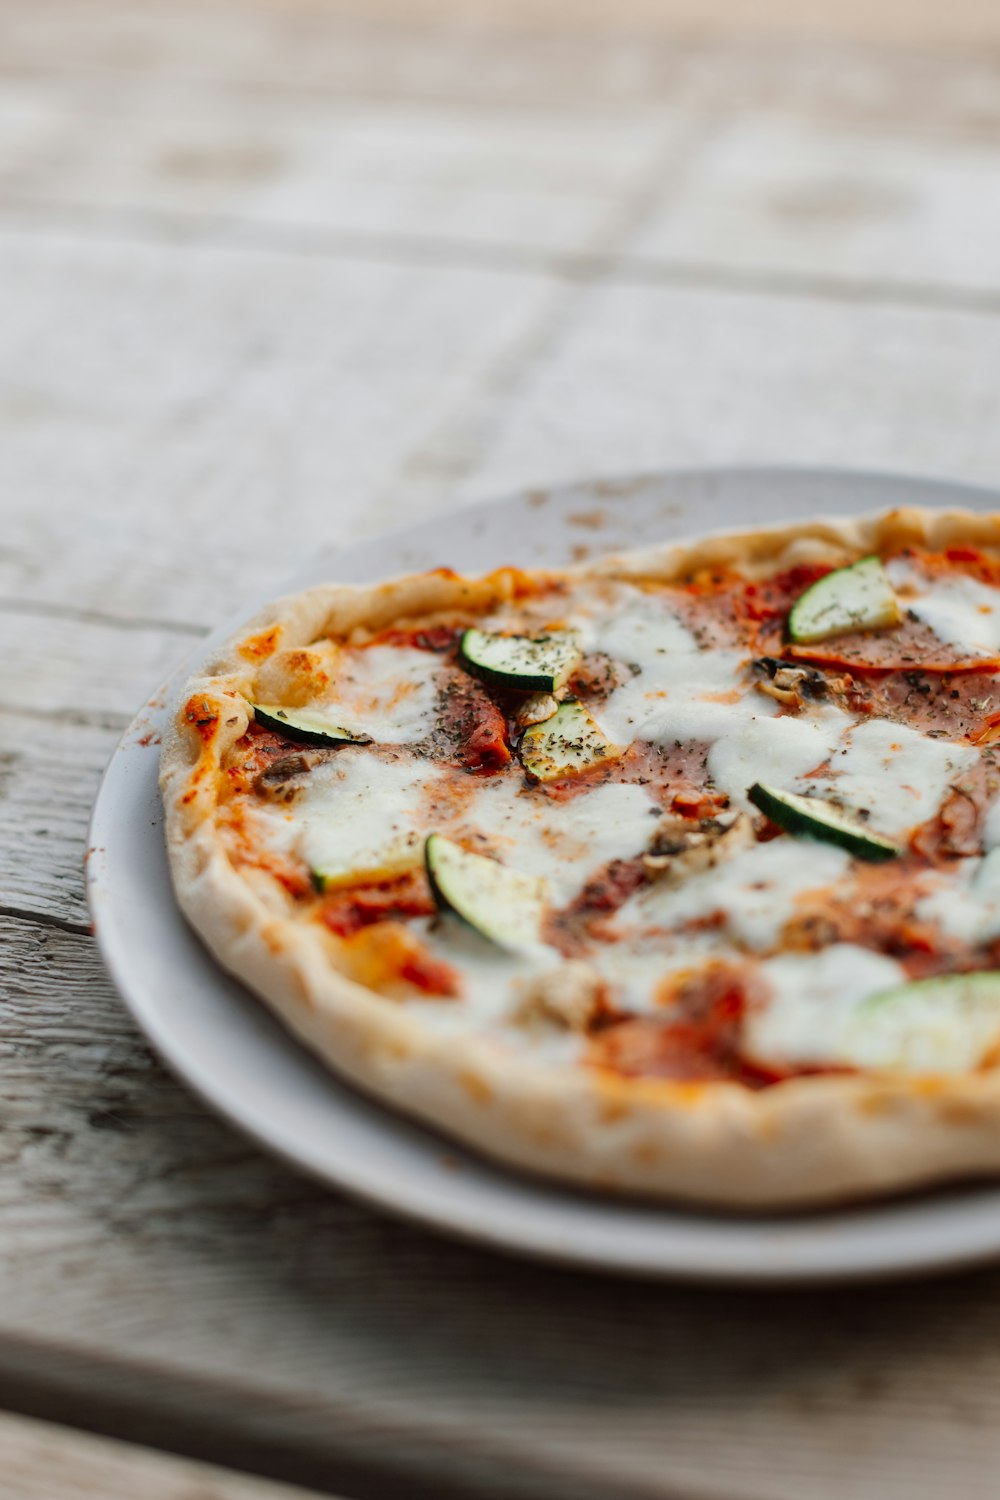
x=272, y=271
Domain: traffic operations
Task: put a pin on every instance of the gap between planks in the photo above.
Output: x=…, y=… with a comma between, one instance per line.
x=41, y=1461
x=192, y=233
x=51, y=610
x=160, y=1277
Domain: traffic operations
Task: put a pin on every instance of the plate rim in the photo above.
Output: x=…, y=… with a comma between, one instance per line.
x=978, y=1246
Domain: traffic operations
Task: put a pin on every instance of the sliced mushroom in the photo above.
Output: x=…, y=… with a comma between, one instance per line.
x=679, y=851
x=789, y=685
x=284, y=777
x=568, y=997
x=536, y=709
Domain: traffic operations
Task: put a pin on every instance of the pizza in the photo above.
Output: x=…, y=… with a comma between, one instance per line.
x=674, y=874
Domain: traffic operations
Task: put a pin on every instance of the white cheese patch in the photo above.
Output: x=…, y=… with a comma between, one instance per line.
x=812, y=997
x=777, y=751
x=635, y=969
x=643, y=632
x=687, y=697
x=848, y=1007
x=563, y=841
x=494, y=979
x=677, y=687
x=965, y=903
x=894, y=774
x=620, y=619
x=991, y=826
x=362, y=813
x=387, y=692
x=274, y=826
x=753, y=894
x=961, y=611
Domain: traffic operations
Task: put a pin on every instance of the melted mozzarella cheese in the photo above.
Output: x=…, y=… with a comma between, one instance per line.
x=678, y=691
x=635, y=968
x=780, y=751
x=565, y=842
x=961, y=611
x=641, y=631
x=812, y=996
x=388, y=692
x=991, y=826
x=607, y=615
x=753, y=894
x=966, y=903
x=361, y=812
x=494, y=980
x=684, y=697
x=893, y=775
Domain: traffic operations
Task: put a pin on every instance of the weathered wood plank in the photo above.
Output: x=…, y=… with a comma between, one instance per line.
x=708, y=377
x=432, y=46
x=294, y=402
x=180, y=491
x=49, y=772
x=218, y=414
x=872, y=172
x=423, y=174
x=778, y=194
x=161, y=1275
x=84, y=668
x=181, y=418
x=40, y=1461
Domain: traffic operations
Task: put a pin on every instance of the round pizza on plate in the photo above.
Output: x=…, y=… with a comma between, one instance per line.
x=676, y=873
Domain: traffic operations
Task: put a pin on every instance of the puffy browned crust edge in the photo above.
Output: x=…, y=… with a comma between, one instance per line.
x=806, y=1142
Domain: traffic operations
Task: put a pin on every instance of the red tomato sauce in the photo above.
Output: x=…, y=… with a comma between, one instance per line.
x=695, y=1038
x=472, y=730
x=675, y=776
x=347, y=911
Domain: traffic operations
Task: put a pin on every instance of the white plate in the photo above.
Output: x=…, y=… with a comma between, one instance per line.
x=225, y=1044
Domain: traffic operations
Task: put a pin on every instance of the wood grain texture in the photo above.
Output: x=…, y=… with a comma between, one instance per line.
x=282, y=273
x=163, y=1277
x=425, y=175
x=217, y=413
x=698, y=377
x=418, y=290
x=49, y=773
x=40, y=1461
x=203, y=499
x=473, y=50
x=75, y=668
x=855, y=168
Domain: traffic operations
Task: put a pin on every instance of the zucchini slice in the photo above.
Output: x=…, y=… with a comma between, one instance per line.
x=948, y=1024
x=499, y=903
x=531, y=664
x=306, y=726
x=856, y=598
x=815, y=819
x=566, y=744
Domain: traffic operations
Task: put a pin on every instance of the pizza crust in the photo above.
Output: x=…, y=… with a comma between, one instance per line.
x=807, y=1141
